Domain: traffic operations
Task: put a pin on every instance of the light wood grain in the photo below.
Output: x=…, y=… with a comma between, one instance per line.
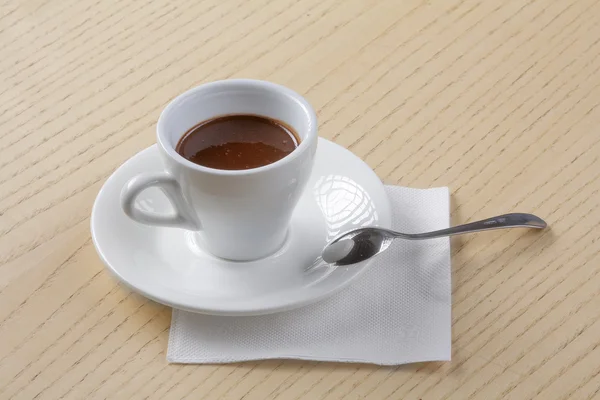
x=499, y=100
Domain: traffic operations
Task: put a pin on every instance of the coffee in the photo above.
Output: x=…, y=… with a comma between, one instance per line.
x=236, y=142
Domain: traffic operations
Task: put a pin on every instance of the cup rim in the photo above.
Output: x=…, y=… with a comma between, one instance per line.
x=305, y=143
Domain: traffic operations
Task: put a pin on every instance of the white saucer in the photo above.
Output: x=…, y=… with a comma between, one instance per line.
x=169, y=266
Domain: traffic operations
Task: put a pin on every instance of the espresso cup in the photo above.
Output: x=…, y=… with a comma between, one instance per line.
x=237, y=214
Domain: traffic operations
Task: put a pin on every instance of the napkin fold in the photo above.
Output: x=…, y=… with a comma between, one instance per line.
x=396, y=312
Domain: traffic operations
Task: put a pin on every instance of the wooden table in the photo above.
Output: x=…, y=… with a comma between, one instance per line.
x=496, y=99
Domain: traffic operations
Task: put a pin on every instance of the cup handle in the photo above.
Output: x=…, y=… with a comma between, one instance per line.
x=183, y=217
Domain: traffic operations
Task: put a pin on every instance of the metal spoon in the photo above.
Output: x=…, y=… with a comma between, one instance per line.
x=363, y=243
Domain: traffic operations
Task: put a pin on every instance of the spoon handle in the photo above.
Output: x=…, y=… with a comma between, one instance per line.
x=515, y=220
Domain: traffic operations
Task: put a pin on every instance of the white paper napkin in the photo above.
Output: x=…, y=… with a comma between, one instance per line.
x=396, y=312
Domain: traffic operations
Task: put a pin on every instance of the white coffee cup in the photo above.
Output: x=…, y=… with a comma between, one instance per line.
x=239, y=214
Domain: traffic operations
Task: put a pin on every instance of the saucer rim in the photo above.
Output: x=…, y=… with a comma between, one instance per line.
x=270, y=309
